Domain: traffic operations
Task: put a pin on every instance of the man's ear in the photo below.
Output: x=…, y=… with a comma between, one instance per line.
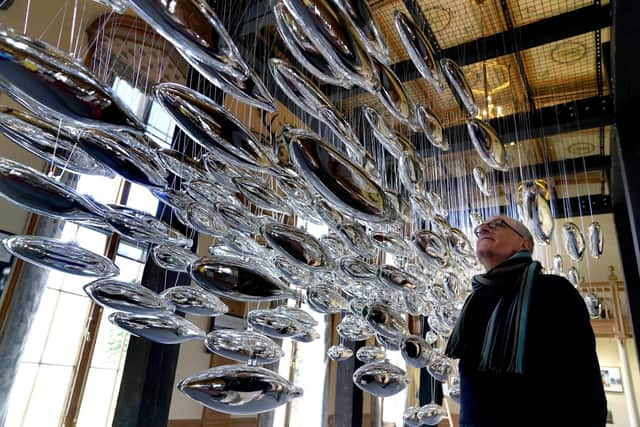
x=527, y=244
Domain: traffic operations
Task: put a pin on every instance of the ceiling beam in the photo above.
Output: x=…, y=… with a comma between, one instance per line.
x=555, y=28
x=571, y=116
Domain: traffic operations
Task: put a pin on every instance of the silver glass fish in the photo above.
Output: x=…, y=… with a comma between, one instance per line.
x=596, y=241
x=328, y=27
x=459, y=87
x=194, y=300
x=411, y=172
x=432, y=127
x=206, y=192
x=339, y=353
x=38, y=193
x=386, y=321
x=297, y=246
x=334, y=245
x=416, y=351
x=126, y=297
x=244, y=346
x=393, y=95
x=142, y=227
x=327, y=213
x=419, y=49
x=56, y=254
x=354, y=328
x=275, y=324
x=371, y=353
x=573, y=241
x=398, y=280
x=381, y=379
x=304, y=49
x=356, y=269
x=431, y=249
x=162, y=328
x=390, y=140
x=482, y=181
x=355, y=236
x=291, y=273
x=390, y=242
x=558, y=265
x=459, y=245
x=220, y=172
x=238, y=279
x=181, y=165
x=360, y=16
x=54, y=86
x=326, y=299
x=239, y=389
x=208, y=48
x=536, y=212
x=175, y=199
x=593, y=305
x=488, y=144
x=343, y=184
x=574, y=276
x=298, y=314
x=49, y=141
x=212, y=126
x=261, y=196
x=439, y=368
x=203, y=219
x=238, y=218
x=431, y=414
x=125, y=156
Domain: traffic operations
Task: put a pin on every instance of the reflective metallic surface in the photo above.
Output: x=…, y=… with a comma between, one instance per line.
x=127, y=297
x=243, y=346
x=354, y=328
x=360, y=16
x=339, y=352
x=432, y=127
x=194, y=300
x=381, y=379
x=275, y=324
x=54, y=86
x=482, y=181
x=488, y=144
x=431, y=249
x=326, y=299
x=297, y=246
x=596, y=241
x=239, y=389
x=459, y=87
x=162, y=328
x=573, y=241
x=67, y=257
x=140, y=226
x=370, y=353
x=386, y=321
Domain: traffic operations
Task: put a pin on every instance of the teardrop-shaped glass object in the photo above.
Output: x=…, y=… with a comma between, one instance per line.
x=343, y=184
x=173, y=258
x=339, y=353
x=298, y=246
x=459, y=245
x=291, y=273
x=393, y=142
x=596, y=241
x=53, y=85
x=124, y=156
x=334, y=245
x=238, y=218
x=261, y=196
x=67, y=257
x=392, y=243
x=416, y=351
x=49, y=141
x=244, y=346
x=194, y=300
x=173, y=198
x=594, y=307
x=298, y=314
x=393, y=95
x=419, y=49
x=371, y=353
x=432, y=128
x=558, y=265
x=328, y=27
x=361, y=18
x=431, y=414
x=482, y=180
x=304, y=49
x=162, y=328
x=440, y=368
x=331, y=216
x=431, y=249
x=459, y=87
x=212, y=126
x=237, y=279
x=573, y=241
x=38, y=193
x=411, y=172
x=353, y=328
x=573, y=276
x=140, y=226
x=127, y=297
x=326, y=299
x=239, y=389
x=397, y=279
x=536, y=212
x=275, y=324
x=356, y=238
x=488, y=144
x=357, y=269
x=386, y=321
x=181, y=165
x=381, y=379
x=437, y=204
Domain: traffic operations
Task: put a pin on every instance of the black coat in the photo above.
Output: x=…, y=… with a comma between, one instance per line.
x=561, y=386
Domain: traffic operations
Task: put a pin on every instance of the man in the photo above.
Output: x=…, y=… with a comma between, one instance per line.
x=526, y=348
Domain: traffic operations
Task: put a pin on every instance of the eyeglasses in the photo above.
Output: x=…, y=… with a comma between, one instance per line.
x=496, y=223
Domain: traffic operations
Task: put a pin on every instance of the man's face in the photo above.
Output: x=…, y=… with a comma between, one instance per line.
x=498, y=243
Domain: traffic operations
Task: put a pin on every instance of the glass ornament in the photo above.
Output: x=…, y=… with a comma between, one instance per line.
x=243, y=346
x=381, y=379
x=194, y=300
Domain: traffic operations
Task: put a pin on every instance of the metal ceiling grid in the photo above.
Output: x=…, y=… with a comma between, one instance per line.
x=527, y=11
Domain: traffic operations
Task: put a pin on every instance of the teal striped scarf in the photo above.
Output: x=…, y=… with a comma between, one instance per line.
x=504, y=342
